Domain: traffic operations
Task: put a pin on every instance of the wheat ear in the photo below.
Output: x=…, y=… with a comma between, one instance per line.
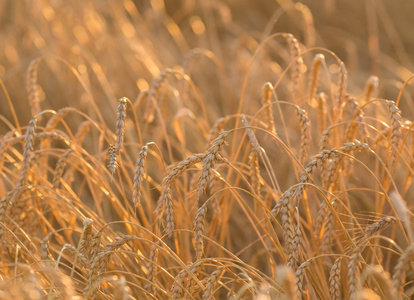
x=113, y=159
x=152, y=94
x=72, y=252
x=322, y=111
x=44, y=247
x=165, y=199
x=305, y=135
x=268, y=119
x=24, y=170
x=86, y=237
x=60, y=167
x=139, y=174
x=379, y=225
x=299, y=278
x=314, y=75
x=213, y=155
x=214, y=186
x=254, y=171
x=31, y=87
x=183, y=279
x=99, y=263
x=291, y=197
x=121, y=290
x=395, y=130
x=298, y=62
x=371, y=88
x=341, y=92
x=328, y=229
x=152, y=269
x=115, y=151
x=353, y=274
x=335, y=280
x=199, y=231
x=286, y=280
x=212, y=280
x=399, y=269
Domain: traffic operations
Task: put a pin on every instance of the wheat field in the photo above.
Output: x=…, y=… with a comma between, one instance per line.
x=155, y=149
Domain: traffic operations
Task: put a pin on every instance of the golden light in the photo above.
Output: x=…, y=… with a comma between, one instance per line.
x=197, y=25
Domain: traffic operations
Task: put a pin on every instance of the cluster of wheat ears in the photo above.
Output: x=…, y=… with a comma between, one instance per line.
x=254, y=170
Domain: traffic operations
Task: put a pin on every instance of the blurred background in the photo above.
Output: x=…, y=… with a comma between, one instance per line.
x=119, y=47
